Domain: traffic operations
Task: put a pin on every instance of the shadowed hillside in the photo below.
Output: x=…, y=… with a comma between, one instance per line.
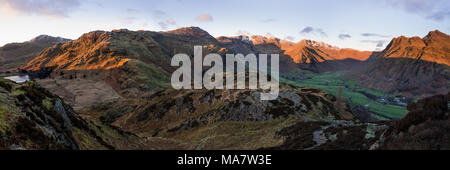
x=410, y=66
x=14, y=55
x=31, y=118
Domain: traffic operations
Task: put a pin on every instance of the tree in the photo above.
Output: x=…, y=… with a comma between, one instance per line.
x=340, y=104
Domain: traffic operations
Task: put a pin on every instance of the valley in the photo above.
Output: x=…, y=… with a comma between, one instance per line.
x=376, y=102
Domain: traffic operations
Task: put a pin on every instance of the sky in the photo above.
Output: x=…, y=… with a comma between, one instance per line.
x=358, y=24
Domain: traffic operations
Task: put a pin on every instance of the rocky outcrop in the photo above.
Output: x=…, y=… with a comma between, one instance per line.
x=425, y=127
x=207, y=116
x=31, y=118
x=330, y=135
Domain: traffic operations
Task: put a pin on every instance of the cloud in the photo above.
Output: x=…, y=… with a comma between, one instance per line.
x=344, y=36
x=290, y=38
x=204, y=18
x=379, y=43
x=441, y=15
x=432, y=9
x=158, y=14
x=374, y=35
x=163, y=25
x=311, y=30
x=51, y=8
x=163, y=18
x=307, y=30
x=128, y=18
x=171, y=21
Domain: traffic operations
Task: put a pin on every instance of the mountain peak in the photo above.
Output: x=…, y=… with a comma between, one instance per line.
x=437, y=36
x=48, y=39
x=432, y=48
x=13, y=55
x=436, y=33
x=411, y=41
x=190, y=31
x=225, y=39
x=259, y=39
x=318, y=44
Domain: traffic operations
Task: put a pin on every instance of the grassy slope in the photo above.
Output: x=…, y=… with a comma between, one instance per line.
x=331, y=82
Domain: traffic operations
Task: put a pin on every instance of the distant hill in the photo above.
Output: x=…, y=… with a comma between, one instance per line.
x=14, y=55
x=306, y=54
x=308, y=51
x=259, y=45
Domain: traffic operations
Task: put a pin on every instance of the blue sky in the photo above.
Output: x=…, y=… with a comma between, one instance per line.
x=359, y=24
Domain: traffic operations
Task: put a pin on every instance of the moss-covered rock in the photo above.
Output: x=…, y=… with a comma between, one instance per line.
x=36, y=119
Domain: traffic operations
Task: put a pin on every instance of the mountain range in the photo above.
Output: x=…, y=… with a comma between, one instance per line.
x=308, y=51
x=111, y=90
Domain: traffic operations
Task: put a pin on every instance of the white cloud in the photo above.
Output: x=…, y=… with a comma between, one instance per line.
x=171, y=21
x=344, y=36
x=205, y=18
x=374, y=35
x=163, y=25
x=158, y=14
x=379, y=43
x=311, y=30
x=290, y=38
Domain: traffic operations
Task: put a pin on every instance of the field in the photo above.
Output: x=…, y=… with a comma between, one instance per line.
x=351, y=91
